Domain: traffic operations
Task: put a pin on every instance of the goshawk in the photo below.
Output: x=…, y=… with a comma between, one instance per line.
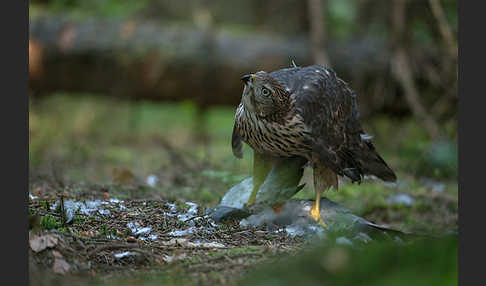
x=307, y=112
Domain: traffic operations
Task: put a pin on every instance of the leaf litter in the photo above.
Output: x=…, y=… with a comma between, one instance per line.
x=109, y=235
x=105, y=235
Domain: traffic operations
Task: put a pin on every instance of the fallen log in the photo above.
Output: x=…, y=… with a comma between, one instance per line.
x=144, y=60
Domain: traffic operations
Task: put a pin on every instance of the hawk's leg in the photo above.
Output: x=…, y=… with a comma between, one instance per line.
x=324, y=179
x=261, y=167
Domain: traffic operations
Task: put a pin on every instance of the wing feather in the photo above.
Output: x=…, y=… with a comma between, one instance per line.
x=237, y=143
x=330, y=111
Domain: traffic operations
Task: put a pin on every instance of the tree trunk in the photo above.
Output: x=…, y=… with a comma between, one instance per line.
x=316, y=18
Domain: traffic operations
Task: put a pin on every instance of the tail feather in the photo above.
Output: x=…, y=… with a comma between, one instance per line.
x=373, y=164
x=380, y=169
x=355, y=161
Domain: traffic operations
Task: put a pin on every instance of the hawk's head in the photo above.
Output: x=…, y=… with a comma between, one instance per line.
x=263, y=95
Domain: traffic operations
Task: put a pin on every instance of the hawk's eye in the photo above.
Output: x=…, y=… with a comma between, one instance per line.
x=265, y=91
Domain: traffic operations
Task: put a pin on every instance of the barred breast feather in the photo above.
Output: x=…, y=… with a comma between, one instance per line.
x=283, y=140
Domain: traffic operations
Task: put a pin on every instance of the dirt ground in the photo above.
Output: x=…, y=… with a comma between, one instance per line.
x=94, y=245
x=109, y=241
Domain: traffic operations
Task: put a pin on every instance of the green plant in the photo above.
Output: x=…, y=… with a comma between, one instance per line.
x=49, y=222
x=103, y=230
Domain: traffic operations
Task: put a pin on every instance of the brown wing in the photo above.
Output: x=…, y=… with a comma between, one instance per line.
x=330, y=111
x=236, y=143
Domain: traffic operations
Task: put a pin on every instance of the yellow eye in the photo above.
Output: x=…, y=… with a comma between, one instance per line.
x=265, y=91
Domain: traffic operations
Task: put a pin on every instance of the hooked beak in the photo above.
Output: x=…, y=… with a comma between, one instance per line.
x=246, y=78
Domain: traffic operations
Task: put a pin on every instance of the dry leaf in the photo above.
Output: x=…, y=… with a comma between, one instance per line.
x=39, y=243
x=37, y=191
x=60, y=266
x=56, y=254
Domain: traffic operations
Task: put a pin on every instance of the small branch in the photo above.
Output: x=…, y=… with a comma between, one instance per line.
x=444, y=27
x=63, y=211
x=403, y=73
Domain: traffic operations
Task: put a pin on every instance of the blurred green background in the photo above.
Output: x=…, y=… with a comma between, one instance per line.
x=121, y=91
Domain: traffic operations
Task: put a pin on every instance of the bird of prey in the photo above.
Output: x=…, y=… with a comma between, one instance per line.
x=308, y=112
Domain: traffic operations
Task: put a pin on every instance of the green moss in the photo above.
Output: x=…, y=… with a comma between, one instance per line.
x=243, y=250
x=235, y=251
x=424, y=262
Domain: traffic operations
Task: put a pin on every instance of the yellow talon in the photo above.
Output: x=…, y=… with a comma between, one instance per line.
x=315, y=213
x=324, y=179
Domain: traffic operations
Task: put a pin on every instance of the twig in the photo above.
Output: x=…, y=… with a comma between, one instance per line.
x=112, y=246
x=63, y=211
x=444, y=27
x=403, y=73
x=163, y=247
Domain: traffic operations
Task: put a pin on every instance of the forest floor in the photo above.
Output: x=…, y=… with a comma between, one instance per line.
x=141, y=176
x=110, y=237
